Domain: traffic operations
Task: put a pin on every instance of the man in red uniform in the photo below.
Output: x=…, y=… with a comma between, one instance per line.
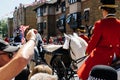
x=81, y=33
x=105, y=40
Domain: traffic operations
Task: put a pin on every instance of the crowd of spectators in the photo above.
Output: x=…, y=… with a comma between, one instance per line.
x=57, y=40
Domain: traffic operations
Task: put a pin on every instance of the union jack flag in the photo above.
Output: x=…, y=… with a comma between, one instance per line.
x=22, y=29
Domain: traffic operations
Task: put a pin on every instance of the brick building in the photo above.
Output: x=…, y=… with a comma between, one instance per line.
x=55, y=17
x=24, y=15
x=65, y=16
x=91, y=12
x=10, y=27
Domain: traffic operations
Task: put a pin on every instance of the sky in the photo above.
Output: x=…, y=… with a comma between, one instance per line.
x=8, y=6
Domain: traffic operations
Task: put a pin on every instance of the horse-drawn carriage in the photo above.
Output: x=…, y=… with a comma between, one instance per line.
x=65, y=59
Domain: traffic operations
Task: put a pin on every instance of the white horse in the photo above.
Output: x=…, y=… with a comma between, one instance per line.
x=77, y=47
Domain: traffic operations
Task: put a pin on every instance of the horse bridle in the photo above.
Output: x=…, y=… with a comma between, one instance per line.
x=77, y=60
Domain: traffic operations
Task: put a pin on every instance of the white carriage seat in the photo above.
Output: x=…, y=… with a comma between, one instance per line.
x=51, y=47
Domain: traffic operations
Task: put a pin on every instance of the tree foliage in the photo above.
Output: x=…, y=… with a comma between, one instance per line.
x=3, y=28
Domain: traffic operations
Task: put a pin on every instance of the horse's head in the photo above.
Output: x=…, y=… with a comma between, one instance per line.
x=76, y=45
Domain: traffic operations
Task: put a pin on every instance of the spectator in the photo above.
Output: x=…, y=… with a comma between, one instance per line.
x=90, y=31
x=81, y=33
x=13, y=59
x=51, y=40
x=6, y=39
x=17, y=38
x=103, y=72
x=45, y=40
x=60, y=39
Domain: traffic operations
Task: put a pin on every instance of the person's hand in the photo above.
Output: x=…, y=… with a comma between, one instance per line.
x=86, y=54
x=31, y=34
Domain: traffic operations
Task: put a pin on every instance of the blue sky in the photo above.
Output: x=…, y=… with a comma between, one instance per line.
x=8, y=6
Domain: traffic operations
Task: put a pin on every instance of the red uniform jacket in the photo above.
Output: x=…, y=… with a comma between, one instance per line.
x=104, y=42
x=85, y=38
x=6, y=39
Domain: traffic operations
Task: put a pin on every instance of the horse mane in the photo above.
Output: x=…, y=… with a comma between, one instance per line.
x=42, y=68
x=66, y=43
x=43, y=76
x=82, y=41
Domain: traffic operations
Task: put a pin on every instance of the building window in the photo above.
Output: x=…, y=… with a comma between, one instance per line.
x=73, y=1
x=71, y=18
x=74, y=20
x=86, y=14
x=44, y=25
x=68, y=19
x=61, y=24
x=44, y=9
x=40, y=12
x=63, y=8
x=40, y=28
x=57, y=7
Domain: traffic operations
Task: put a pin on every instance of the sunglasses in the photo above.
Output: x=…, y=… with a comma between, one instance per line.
x=10, y=54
